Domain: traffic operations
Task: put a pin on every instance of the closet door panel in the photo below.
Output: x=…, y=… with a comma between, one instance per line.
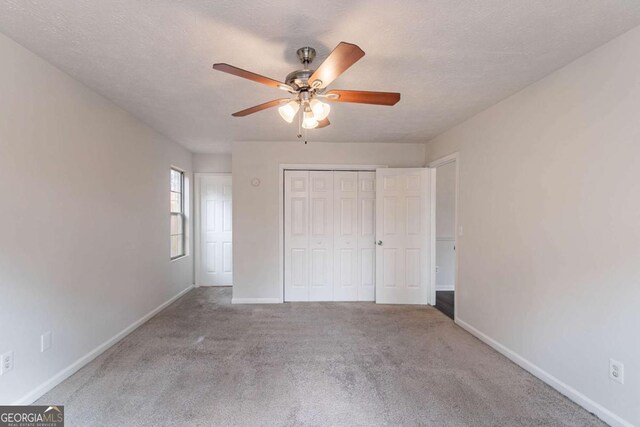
x=330, y=226
x=346, y=271
x=321, y=236
x=366, y=235
x=296, y=219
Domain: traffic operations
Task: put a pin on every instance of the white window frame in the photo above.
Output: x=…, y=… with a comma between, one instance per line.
x=182, y=215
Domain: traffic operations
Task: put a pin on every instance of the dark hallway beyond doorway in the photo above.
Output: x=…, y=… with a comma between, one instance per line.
x=444, y=302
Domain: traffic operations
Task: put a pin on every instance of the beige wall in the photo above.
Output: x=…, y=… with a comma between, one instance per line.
x=256, y=209
x=212, y=163
x=550, y=205
x=84, y=221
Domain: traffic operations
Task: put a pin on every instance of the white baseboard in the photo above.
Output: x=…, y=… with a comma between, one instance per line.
x=256, y=301
x=214, y=286
x=573, y=394
x=43, y=388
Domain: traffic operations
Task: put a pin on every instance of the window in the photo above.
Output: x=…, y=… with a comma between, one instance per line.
x=177, y=214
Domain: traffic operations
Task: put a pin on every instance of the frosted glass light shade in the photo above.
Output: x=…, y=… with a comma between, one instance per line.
x=289, y=110
x=309, y=121
x=320, y=109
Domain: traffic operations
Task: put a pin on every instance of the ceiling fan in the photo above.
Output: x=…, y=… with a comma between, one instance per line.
x=308, y=87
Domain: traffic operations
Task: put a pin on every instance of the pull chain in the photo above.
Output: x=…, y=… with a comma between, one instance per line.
x=300, y=128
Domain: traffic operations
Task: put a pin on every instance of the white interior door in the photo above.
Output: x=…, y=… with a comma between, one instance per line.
x=403, y=228
x=215, y=263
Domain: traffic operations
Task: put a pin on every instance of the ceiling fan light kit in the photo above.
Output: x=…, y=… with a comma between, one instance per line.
x=320, y=109
x=309, y=121
x=289, y=110
x=308, y=87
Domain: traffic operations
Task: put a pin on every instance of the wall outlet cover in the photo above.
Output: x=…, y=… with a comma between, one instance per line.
x=616, y=371
x=7, y=362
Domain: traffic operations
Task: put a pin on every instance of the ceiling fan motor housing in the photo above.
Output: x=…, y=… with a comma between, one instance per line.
x=299, y=79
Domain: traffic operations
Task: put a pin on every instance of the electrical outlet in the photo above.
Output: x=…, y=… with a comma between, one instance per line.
x=7, y=362
x=45, y=341
x=437, y=269
x=616, y=371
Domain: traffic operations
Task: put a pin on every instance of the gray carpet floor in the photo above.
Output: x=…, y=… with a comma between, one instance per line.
x=205, y=362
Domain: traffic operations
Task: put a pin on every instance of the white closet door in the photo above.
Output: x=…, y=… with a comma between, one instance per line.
x=346, y=236
x=321, y=236
x=330, y=231
x=402, y=229
x=296, y=259
x=366, y=235
x=215, y=255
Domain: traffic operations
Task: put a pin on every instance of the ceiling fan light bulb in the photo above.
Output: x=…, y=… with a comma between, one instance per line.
x=289, y=110
x=320, y=109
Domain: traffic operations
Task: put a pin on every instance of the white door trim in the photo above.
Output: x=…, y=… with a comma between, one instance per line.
x=310, y=167
x=198, y=179
x=451, y=158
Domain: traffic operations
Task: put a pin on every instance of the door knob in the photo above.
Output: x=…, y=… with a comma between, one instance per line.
x=379, y=242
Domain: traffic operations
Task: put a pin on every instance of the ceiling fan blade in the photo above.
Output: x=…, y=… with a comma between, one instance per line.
x=226, y=68
x=256, y=108
x=363, y=97
x=338, y=61
x=323, y=123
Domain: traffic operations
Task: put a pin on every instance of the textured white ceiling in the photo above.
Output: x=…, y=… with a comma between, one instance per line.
x=449, y=58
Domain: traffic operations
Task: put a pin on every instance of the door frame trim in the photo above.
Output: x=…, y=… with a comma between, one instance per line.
x=450, y=158
x=197, y=177
x=282, y=167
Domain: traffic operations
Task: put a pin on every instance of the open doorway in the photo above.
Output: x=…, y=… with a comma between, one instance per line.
x=446, y=259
